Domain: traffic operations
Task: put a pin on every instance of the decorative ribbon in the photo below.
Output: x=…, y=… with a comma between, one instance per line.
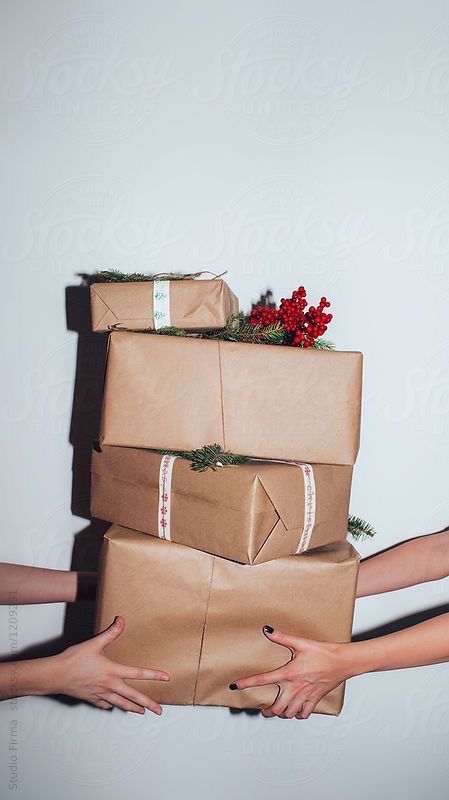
x=165, y=476
x=161, y=304
x=161, y=298
x=165, y=480
x=309, y=506
x=309, y=501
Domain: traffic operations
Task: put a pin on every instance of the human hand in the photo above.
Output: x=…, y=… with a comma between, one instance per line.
x=85, y=672
x=314, y=670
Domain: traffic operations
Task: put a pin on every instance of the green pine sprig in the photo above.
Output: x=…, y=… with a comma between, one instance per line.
x=233, y=325
x=323, y=344
x=358, y=528
x=115, y=276
x=237, y=329
x=167, y=330
x=211, y=456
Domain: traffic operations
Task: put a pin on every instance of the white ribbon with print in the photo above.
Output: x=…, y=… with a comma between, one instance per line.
x=165, y=481
x=309, y=501
x=309, y=506
x=161, y=304
x=165, y=478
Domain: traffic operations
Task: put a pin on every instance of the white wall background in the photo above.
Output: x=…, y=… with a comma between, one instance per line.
x=290, y=142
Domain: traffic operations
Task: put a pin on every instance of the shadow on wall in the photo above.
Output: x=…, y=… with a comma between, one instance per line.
x=84, y=428
x=265, y=300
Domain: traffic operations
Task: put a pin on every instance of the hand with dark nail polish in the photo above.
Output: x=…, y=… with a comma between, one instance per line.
x=314, y=670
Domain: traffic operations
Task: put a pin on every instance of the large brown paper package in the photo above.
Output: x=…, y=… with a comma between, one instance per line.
x=268, y=401
x=195, y=305
x=200, y=617
x=247, y=512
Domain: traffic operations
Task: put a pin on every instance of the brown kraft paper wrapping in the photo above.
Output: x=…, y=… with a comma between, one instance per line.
x=195, y=305
x=200, y=617
x=267, y=401
x=248, y=512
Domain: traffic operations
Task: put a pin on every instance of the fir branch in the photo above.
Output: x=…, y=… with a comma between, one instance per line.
x=255, y=334
x=211, y=456
x=167, y=330
x=115, y=276
x=323, y=344
x=238, y=330
x=233, y=324
x=358, y=528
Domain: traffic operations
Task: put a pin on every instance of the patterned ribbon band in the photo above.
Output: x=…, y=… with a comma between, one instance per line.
x=165, y=477
x=161, y=304
x=165, y=481
x=309, y=506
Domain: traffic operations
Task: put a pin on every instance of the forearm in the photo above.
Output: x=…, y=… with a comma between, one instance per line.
x=21, y=678
x=417, y=561
x=23, y=585
x=423, y=644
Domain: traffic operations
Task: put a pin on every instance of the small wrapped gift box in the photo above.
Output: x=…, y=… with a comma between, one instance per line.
x=265, y=401
x=200, y=617
x=247, y=512
x=195, y=305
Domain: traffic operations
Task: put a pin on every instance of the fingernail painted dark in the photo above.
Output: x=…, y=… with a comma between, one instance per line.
x=233, y=686
x=268, y=629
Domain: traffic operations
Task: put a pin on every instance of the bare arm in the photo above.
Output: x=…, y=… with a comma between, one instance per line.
x=426, y=643
x=22, y=585
x=83, y=671
x=318, y=667
x=417, y=561
x=20, y=678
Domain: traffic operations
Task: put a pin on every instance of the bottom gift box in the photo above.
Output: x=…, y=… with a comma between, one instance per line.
x=200, y=617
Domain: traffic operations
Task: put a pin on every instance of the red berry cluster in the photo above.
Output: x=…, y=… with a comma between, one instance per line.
x=264, y=316
x=301, y=327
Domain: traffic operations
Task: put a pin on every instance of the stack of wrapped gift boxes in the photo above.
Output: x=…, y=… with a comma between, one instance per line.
x=230, y=550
